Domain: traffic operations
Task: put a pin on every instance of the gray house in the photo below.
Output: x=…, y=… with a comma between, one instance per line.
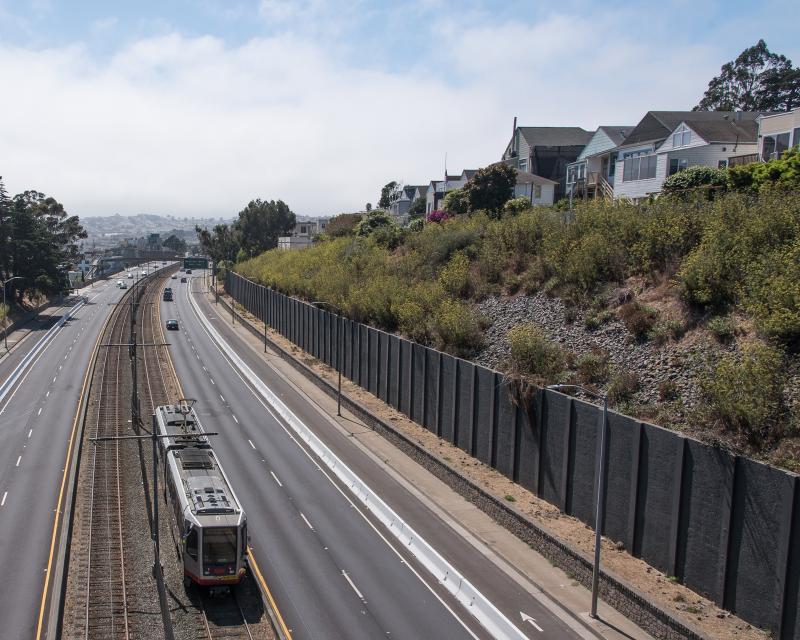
x=593, y=172
x=546, y=151
x=399, y=208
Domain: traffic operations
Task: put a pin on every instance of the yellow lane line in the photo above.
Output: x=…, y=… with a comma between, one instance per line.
x=64, y=477
x=250, y=555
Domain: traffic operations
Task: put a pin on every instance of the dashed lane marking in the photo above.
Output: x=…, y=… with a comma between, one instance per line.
x=18, y=461
x=234, y=419
x=352, y=584
x=280, y=484
x=302, y=515
x=39, y=412
x=251, y=443
x=3, y=501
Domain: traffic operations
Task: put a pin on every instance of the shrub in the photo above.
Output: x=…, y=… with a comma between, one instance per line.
x=389, y=236
x=697, y=178
x=454, y=277
x=638, y=318
x=516, y=206
x=782, y=173
x=623, y=385
x=457, y=329
x=722, y=327
x=342, y=225
x=373, y=221
x=491, y=187
x=456, y=202
x=416, y=225
x=745, y=392
x=533, y=355
x=667, y=391
x=593, y=367
x=438, y=216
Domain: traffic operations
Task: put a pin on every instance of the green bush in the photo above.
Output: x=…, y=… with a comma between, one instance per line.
x=342, y=225
x=745, y=392
x=593, y=367
x=456, y=202
x=622, y=386
x=533, y=355
x=457, y=329
x=454, y=277
x=722, y=327
x=516, y=206
x=638, y=319
x=707, y=180
x=781, y=173
x=373, y=221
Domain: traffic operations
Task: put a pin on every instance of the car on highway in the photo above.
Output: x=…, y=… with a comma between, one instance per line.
x=172, y=325
x=174, y=276
x=130, y=275
x=119, y=283
x=183, y=279
x=123, y=284
x=188, y=271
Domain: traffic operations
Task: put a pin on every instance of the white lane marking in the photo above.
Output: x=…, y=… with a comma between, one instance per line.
x=212, y=380
x=234, y=419
x=30, y=432
x=489, y=619
x=272, y=473
x=352, y=584
x=18, y=461
x=302, y=515
x=38, y=413
x=221, y=397
x=198, y=357
x=59, y=367
x=526, y=618
x=251, y=443
x=204, y=369
x=47, y=395
x=3, y=501
x=54, y=378
x=65, y=357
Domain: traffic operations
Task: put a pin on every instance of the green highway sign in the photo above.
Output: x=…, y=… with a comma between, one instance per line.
x=195, y=262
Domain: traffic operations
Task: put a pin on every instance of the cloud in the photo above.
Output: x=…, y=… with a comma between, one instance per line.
x=198, y=126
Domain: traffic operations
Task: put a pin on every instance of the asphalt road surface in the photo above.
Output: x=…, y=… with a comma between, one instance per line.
x=40, y=385
x=333, y=568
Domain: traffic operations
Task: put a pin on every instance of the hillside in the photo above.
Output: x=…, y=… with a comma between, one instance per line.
x=686, y=312
x=103, y=230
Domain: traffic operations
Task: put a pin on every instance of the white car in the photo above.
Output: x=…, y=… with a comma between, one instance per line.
x=122, y=284
x=130, y=275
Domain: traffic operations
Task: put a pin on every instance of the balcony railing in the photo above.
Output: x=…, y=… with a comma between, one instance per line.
x=748, y=158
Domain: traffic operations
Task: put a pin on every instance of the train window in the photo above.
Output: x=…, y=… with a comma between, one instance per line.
x=219, y=546
x=191, y=544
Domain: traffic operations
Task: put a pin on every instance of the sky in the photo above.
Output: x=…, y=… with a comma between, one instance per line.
x=196, y=107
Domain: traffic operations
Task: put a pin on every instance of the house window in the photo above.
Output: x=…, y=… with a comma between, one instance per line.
x=303, y=228
x=572, y=174
x=775, y=145
x=639, y=168
x=581, y=171
x=612, y=165
x=796, y=137
x=537, y=191
x=722, y=164
x=523, y=165
x=681, y=137
x=677, y=164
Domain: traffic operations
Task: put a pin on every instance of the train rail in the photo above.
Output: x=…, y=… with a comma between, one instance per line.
x=224, y=618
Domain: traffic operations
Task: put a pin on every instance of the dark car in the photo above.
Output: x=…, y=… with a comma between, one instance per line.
x=183, y=279
x=188, y=271
x=172, y=325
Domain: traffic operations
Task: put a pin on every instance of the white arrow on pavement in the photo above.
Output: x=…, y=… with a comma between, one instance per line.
x=526, y=618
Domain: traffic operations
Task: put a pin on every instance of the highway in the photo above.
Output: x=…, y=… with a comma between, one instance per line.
x=335, y=570
x=40, y=385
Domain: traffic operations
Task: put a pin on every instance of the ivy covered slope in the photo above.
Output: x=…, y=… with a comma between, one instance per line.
x=712, y=271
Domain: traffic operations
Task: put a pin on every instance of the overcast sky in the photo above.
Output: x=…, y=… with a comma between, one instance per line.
x=194, y=107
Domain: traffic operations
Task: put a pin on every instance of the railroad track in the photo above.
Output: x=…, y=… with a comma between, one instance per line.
x=224, y=618
x=102, y=562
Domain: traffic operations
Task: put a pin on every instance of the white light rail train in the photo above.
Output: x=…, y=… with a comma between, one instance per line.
x=208, y=523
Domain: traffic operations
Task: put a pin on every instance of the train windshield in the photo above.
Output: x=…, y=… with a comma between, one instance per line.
x=219, y=545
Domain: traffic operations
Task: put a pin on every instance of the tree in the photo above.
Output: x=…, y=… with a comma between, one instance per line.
x=372, y=221
x=758, y=80
x=708, y=179
x=175, y=243
x=456, y=202
x=368, y=208
x=222, y=243
x=389, y=194
x=260, y=224
x=491, y=187
x=342, y=225
x=417, y=208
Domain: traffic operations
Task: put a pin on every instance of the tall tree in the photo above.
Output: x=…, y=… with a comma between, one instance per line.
x=491, y=187
x=389, y=194
x=758, y=80
x=260, y=224
x=221, y=243
x=175, y=243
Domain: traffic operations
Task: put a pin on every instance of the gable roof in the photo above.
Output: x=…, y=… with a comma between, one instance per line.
x=555, y=136
x=657, y=125
x=744, y=130
x=468, y=173
x=615, y=133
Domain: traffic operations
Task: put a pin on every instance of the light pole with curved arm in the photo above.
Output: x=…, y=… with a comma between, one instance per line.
x=5, y=331
x=601, y=487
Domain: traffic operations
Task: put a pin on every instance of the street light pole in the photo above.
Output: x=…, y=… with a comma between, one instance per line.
x=5, y=331
x=601, y=489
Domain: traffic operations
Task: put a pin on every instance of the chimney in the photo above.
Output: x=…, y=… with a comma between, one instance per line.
x=515, y=126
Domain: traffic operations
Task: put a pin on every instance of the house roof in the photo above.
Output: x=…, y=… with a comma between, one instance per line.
x=468, y=173
x=657, y=125
x=555, y=136
x=615, y=133
x=745, y=130
x=525, y=177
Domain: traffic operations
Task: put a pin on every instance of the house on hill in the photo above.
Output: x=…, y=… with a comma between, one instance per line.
x=664, y=142
x=778, y=132
x=399, y=208
x=593, y=172
x=546, y=151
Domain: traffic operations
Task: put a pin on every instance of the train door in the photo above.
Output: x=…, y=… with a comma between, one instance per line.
x=191, y=555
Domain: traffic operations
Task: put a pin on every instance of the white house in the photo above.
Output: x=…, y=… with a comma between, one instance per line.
x=438, y=188
x=536, y=189
x=778, y=132
x=594, y=171
x=303, y=234
x=664, y=142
